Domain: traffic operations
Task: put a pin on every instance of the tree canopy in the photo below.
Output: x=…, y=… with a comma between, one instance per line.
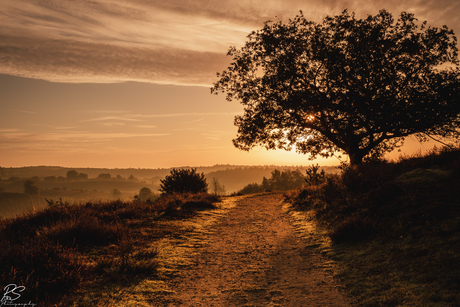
x=184, y=181
x=347, y=85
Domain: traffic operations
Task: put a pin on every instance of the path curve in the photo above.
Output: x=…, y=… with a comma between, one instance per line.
x=256, y=257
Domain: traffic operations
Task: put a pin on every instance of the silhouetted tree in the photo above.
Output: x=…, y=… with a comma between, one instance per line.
x=356, y=86
x=132, y=178
x=50, y=179
x=251, y=188
x=82, y=176
x=283, y=181
x=30, y=188
x=72, y=175
x=144, y=194
x=184, y=181
x=217, y=188
x=313, y=177
x=116, y=193
x=104, y=176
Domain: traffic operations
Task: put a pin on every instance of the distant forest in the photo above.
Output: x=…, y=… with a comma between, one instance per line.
x=233, y=177
x=24, y=189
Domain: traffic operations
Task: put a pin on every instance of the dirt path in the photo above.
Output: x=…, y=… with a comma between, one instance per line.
x=256, y=257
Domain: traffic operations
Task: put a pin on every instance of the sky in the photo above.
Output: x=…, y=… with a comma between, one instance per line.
x=126, y=83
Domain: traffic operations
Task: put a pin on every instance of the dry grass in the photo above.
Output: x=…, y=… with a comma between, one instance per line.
x=67, y=249
x=395, y=228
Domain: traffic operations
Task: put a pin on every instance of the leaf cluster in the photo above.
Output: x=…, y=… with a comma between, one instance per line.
x=184, y=181
x=350, y=85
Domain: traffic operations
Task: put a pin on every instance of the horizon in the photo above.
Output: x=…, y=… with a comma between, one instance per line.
x=126, y=84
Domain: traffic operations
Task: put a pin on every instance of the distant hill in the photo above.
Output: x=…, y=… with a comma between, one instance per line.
x=233, y=177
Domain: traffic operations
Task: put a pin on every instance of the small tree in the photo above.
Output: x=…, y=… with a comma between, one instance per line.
x=144, y=194
x=116, y=193
x=313, y=177
x=82, y=176
x=30, y=188
x=217, y=188
x=50, y=179
x=72, y=175
x=184, y=181
x=347, y=85
x=104, y=176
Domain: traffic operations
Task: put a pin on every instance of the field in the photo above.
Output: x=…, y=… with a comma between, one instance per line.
x=388, y=232
x=395, y=228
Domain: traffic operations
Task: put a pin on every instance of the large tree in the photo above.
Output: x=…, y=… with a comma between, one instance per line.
x=356, y=86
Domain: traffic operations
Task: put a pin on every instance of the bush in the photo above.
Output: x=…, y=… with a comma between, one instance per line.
x=144, y=194
x=184, y=181
x=30, y=188
x=352, y=228
x=251, y=188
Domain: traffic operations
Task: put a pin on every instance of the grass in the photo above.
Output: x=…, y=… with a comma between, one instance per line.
x=83, y=254
x=395, y=228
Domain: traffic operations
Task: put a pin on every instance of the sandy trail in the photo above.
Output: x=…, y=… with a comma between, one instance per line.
x=255, y=257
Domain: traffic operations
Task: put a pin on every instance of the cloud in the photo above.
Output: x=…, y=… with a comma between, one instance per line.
x=111, y=118
x=145, y=126
x=167, y=42
x=22, y=111
x=10, y=137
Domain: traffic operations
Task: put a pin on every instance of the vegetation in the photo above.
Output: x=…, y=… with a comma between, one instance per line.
x=184, y=181
x=30, y=188
x=145, y=194
x=395, y=228
x=217, y=188
x=330, y=87
x=72, y=254
x=279, y=181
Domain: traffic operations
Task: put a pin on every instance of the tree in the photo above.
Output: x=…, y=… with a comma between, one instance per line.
x=82, y=176
x=144, y=194
x=50, y=179
x=72, y=175
x=283, y=181
x=30, y=188
x=347, y=85
x=184, y=181
x=104, y=176
x=116, y=193
x=313, y=177
x=217, y=188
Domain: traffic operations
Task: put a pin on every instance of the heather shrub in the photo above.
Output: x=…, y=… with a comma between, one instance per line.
x=352, y=228
x=184, y=181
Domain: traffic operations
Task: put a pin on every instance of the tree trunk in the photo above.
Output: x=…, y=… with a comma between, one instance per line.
x=356, y=158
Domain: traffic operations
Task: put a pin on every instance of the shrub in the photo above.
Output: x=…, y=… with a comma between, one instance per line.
x=251, y=188
x=184, y=181
x=313, y=177
x=144, y=194
x=352, y=228
x=30, y=188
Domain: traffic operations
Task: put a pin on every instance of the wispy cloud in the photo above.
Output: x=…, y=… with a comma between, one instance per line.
x=30, y=139
x=22, y=111
x=105, y=118
x=166, y=42
x=145, y=126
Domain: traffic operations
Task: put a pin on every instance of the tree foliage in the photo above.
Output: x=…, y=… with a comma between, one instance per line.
x=184, y=181
x=30, y=188
x=278, y=181
x=144, y=194
x=355, y=86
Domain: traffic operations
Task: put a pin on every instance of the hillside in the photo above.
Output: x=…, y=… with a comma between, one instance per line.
x=395, y=228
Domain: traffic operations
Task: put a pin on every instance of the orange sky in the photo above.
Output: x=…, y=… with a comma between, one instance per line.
x=125, y=83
